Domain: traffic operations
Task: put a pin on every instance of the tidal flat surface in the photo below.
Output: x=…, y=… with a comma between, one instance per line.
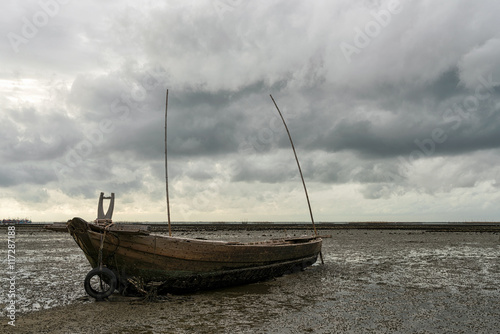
x=373, y=281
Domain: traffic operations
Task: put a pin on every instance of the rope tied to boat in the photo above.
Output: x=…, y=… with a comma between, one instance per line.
x=103, y=236
x=149, y=291
x=99, y=258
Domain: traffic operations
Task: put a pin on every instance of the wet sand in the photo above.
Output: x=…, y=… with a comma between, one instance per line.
x=377, y=281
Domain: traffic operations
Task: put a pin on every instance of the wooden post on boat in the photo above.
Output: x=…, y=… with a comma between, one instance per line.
x=101, y=217
x=166, y=168
x=300, y=171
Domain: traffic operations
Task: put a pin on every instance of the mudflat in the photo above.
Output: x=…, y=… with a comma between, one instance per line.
x=378, y=281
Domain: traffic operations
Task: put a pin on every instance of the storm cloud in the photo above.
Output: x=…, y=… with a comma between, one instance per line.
x=393, y=106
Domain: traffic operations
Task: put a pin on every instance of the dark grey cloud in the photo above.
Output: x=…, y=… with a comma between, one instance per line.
x=24, y=173
x=401, y=118
x=28, y=134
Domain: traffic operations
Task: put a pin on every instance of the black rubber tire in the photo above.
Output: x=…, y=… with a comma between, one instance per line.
x=107, y=277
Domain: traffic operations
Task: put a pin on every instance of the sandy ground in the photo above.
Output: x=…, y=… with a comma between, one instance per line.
x=372, y=281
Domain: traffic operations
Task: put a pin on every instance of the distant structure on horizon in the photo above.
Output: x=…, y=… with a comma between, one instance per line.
x=16, y=221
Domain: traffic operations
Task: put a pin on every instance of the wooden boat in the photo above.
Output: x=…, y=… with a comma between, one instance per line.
x=124, y=256
x=178, y=265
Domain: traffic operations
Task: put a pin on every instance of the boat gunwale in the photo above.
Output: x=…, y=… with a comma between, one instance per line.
x=285, y=241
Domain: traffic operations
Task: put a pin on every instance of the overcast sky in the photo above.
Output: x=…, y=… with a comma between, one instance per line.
x=393, y=106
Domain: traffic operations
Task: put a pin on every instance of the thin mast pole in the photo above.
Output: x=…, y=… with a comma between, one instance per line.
x=166, y=168
x=298, y=165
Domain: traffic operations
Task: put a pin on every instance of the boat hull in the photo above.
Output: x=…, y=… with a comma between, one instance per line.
x=179, y=265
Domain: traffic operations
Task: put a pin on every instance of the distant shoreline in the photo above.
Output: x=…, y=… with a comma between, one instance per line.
x=228, y=226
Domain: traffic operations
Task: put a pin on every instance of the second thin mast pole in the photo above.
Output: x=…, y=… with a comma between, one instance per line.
x=166, y=167
x=301, y=176
x=298, y=165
